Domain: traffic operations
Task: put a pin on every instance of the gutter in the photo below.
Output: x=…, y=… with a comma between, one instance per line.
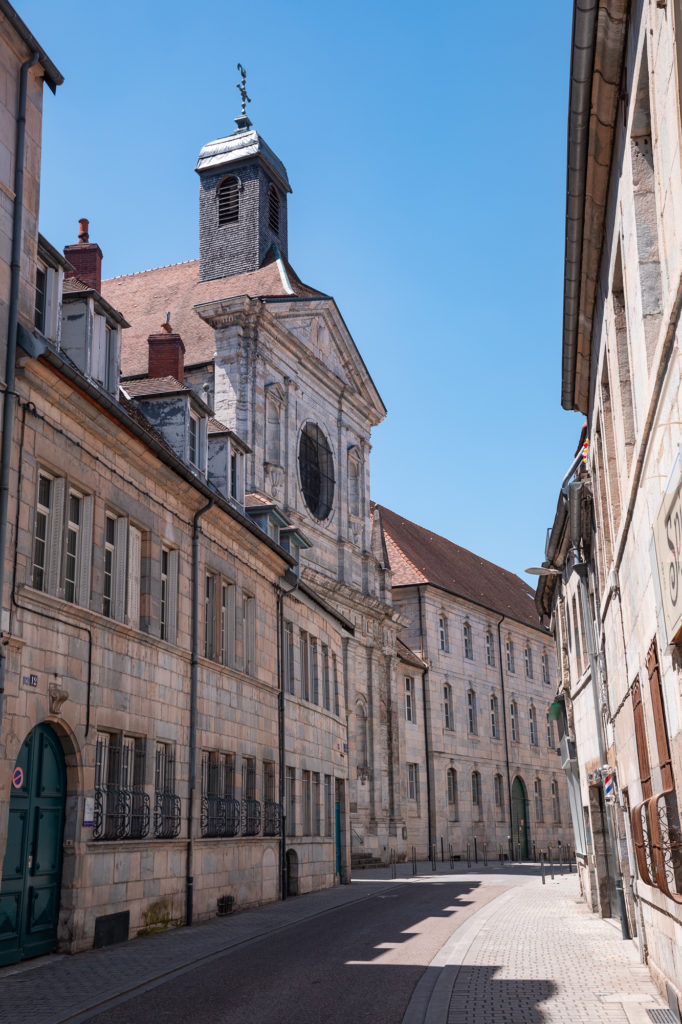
x=53, y=77
x=506, y=738
x=10, y=399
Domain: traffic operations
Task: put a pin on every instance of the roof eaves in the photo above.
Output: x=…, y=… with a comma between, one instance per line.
x=53, y=77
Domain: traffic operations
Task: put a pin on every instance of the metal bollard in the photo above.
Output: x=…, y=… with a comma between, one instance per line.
x=542, y=866
x=393, y=867
x=535, y=851
x=485, y=855
x=414, y=860
x=433, y=856
x=475, y=849
x=561, y=860
x=468, y=855
x=442, y=850
x=551, y=862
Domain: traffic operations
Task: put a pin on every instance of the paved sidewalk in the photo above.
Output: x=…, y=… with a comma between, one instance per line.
x=537, y=955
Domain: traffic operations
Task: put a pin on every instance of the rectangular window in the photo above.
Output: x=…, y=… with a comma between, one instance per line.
x=545, y=668
x=412, y=781
x=209, y=615
x=510, y=655
x=556, y=805
x=289, y=671
x=337, y=706
x=235, y=489
x=220, y=812
x=468, y=642
x=317, y=806
x=42, y=531
x=550, y=733
x=443, y=633
x=471, y=709
x=498, y=791
x=489, y=649
x=194, y=440
x=166, y=801
x=476, y=792
x=291, y=800
x=314, y=672
x=248, y=778
x=40, y=300
x=328, y=806
x=269, y=792
x=447, y=707
x=528, y=660
x=109, y=565
x=249, y=635
x=228, y=608
x=452, y=787
x=326, y=682
x=169, y=594
x=409, y=699
x=121, y=803
x=306, y=798
x=539, y=810
x=305, y=666
x=134, y=580
x=73, y=532
x=514, y=719
x=533, y=727
x=494, y=718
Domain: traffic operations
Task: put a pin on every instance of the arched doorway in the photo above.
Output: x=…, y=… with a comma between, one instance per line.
x=292, y=873
x=31, y=873
x=520, y=831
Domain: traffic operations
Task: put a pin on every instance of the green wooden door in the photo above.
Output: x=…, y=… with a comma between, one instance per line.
x=519, y=819
x=31, y=873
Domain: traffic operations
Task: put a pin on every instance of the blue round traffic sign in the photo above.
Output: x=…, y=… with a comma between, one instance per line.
x=18, y=778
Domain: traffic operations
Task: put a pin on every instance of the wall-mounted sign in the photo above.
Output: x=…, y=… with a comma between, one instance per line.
x=18, y=778
x=31, y=680
x=668, y=544
x=89, y=812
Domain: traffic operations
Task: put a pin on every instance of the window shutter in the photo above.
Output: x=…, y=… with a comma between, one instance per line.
x=49, y=329
x=85, y=553
x=120, y=565
x=56, y=535
x=172, y=596
x=660, y=724
x=134, y=576
x=640, y=740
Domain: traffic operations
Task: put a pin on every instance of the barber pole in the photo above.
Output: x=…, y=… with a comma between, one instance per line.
x=609, y=789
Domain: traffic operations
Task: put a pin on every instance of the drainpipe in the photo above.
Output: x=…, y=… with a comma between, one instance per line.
x=10, y=368
x=506, y=736
x=280, y=595
x=194, y=671
x=427, y=745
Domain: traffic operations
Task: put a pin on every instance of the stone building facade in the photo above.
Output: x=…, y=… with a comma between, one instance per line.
x=615, y=614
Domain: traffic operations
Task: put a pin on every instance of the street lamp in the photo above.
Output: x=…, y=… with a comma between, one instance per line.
x=543, y=570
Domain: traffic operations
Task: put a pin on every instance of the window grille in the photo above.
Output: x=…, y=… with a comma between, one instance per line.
x=166, y=801
x=220, y=812
x=228, y=201
x=271, y=807
x=121, y=804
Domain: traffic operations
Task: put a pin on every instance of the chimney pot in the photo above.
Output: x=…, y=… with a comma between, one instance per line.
x=166, y=355
x=83, y=225
x=85, y=257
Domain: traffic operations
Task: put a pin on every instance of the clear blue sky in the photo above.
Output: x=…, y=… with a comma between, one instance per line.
x=425, y=144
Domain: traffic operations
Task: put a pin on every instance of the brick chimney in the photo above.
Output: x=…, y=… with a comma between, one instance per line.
x=86, y=257
x=166, y=354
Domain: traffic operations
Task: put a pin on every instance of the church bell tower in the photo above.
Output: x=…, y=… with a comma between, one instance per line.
x=243, y=188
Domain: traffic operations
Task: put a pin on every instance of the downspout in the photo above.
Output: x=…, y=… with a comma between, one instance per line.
x=10, y=368
x=427, y=745
x=189, y=879
x=281, y=594
x=506, y=736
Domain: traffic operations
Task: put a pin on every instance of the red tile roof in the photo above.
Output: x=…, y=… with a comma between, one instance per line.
x=153, y=386
x=419, y=556
x=146, y=298
x=407, y=655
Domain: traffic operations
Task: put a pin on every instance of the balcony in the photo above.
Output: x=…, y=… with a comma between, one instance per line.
x=658, y=843
x=120, y=813
x=220, y=816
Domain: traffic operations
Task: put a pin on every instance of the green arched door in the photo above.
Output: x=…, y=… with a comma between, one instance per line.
x=520, y=819
x=31, y=873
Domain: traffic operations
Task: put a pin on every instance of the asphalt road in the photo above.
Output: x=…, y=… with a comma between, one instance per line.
x=359, y=963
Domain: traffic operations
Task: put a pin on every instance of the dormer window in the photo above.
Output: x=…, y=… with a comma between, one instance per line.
x=228, y=201
x=194, y=440
x=273, y=209
x=234, y=476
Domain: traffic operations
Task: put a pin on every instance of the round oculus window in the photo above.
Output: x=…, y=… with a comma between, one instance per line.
x=316, y=466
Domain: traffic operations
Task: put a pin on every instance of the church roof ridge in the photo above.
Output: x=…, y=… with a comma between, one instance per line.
x=150, y=270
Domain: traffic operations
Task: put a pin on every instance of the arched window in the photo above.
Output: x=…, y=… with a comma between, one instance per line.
x=489, y=648
x=556, y=806
x=228, y=201
x=468, y=642
x=361, y=725
x=539, y=810
x=494, y=718
x=273, y=209
x=514, y=719
x=471, y=712
x=452, y=792
x=476, y=794
x=533, y=724
x=273, y=432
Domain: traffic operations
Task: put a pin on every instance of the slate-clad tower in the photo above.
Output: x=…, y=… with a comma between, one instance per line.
x=242, y=203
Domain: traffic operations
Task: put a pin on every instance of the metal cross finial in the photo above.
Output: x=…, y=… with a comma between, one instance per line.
x=242, y=89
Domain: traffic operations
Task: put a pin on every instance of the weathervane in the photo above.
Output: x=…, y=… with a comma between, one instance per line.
x=242, y=89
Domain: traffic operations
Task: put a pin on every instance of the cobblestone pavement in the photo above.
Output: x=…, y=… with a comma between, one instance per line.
x=537, y=955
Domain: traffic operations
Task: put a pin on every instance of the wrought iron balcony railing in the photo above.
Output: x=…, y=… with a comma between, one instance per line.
x=166, y=815
x=220, y=816
x=251, y=817
x=272, y=818
x=658, y=843
x=120, y=813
